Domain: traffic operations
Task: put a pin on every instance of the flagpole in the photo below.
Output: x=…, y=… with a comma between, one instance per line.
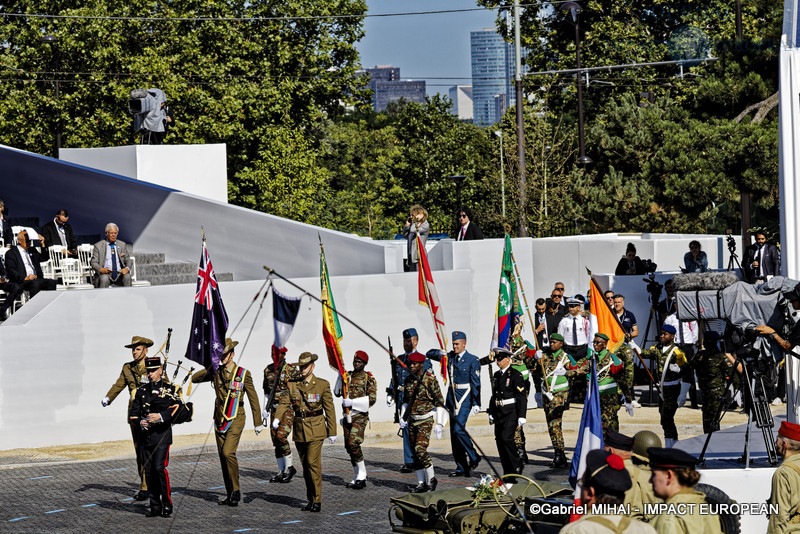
x=337, y=348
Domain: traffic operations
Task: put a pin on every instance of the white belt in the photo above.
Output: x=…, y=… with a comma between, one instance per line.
x=671, y=383
x=423, y=416
x=461, y=386
x=505, y=402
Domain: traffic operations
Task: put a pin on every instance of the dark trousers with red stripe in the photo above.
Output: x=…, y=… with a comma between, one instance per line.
x=156, y=461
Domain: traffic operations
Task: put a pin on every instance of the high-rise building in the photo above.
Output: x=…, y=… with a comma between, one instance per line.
x=461, y=96
x=386, y=86
x=493, y=67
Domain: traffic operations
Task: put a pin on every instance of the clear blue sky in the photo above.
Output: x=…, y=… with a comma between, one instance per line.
x=423, y=46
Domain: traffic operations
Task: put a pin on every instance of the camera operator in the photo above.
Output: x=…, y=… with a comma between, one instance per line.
x=790, y=343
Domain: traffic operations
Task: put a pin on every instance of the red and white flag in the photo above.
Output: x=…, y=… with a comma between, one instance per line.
x=430, y=299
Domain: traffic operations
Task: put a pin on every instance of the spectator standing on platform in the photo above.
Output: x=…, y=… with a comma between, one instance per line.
x=630, y=263
x=467, y=230
x=110, y=260
x=23, y=266
x=417, y=223
x=695, y=260
x=59, y=232
x=761, y=259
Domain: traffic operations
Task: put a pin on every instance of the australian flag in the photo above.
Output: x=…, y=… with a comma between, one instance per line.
x=209, y=320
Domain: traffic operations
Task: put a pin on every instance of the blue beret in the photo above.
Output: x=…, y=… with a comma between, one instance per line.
x=459, y=335
x=411, y=332
x=669, y=328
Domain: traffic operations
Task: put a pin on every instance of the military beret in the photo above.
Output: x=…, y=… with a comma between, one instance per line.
x=152, y=363
x=556, y=337
x=417, y=357
x=409, y=333
x=573, y=302
x=619, y=441
x=670, y=458
x=139, y=340
x=601, y=336
x=789, y=430
x=608, y=471
x=668, y=328
x=459, y=335
x=361, y=355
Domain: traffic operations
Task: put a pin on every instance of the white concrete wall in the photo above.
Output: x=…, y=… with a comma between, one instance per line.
x=197, y=169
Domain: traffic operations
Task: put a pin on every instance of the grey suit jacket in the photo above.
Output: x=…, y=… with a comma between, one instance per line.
x=99, y=255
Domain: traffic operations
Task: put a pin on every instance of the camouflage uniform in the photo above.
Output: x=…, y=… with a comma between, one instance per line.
x=280, y=412
x=712, y=369
x=670, y=385
x=609, y=365
x=428, y=397
x=520, y=364
x=625, y=380
x=554, y=409
x=361, y=384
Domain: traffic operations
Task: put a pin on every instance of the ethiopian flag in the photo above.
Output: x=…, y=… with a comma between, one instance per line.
x=331, y=331
x=509, y=312
x=602, y=317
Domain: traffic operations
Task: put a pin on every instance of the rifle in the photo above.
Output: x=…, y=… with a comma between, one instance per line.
x=395, y=382
x=166, y=349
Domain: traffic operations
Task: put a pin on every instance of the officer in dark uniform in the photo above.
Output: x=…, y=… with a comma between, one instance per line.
x=507, y=410
x=396, y=391
x=155, y=405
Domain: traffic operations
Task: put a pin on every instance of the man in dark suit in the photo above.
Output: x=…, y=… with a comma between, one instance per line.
x=110, y=260
x=5, y=228
x=59, y=232
x=12, y=290
x=467, y=230
x=761, y=259
x=22, y=266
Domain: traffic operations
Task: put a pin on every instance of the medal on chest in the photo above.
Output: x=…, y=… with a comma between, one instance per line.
x=313, y=397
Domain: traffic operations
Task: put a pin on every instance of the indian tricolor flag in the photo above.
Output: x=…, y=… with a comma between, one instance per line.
x=430, y=299
x=331, y=331
x=590, y=436
x=603, y=319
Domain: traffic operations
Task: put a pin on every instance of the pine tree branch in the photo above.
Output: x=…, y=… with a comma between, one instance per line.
x=763, y=107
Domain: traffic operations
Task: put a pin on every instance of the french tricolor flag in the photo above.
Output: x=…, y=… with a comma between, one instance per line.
x=285, y=310
x=590, y=436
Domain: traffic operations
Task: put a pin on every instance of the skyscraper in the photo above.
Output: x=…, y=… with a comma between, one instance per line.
x=386, y=85
x=492, y=75
x=461, y=96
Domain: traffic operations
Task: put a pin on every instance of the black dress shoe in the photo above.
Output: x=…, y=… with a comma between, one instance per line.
x=235, y=498
x=153, y=513
x=473, y=464
x=420, y=488
x=225, y=502
x=519, y=469
x=277, y=478
x=167, y=511
x=559, y=460
x=315, y=507
x=457, y=474
x=143, y=495
x=287, y=475
x=432, y=484
x=356, y=484
x=307, y=507
x=407, y=468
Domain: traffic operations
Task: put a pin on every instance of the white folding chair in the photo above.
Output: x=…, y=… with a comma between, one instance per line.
x=57, y=255
x=72, y=275
x=132, y=267
x=85, y=257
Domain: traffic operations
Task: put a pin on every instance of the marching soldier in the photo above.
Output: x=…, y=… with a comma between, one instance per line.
x=518, y=362
x=669, y=359
x=410, y=340
x=280, y=414
x=154, y=409
x=555, y=367
x=133, y=374
x=786, y=482
x=609, y=370
x=712, y=369
x=231, y=382
x=424, y=405
x=362, y=391
x=314, y=420
x=507, y=410
x=463, y=400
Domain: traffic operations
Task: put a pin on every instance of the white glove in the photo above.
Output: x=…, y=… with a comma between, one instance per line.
x=539, y=354
x=560, y=372
x=258, y=429
x=105, y=402
x=548, y=395
x=491, y=419
x=475, y=410
x=538, y=398
x=629, y=408
x=347, y=403
x=332, y=439
x=675, y=368
x=337, y=388
x=438, y=431
x=276, y=423
x=265, y=414
x=442, y=352
x=403, y=423
x=389, y=400
x=521, y=421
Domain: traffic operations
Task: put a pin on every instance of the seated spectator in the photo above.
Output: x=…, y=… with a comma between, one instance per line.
x=5, y=228
x=22, y=266
x=695, y=260
x=110, y=260
x=59, y=232
x=12, y=290
x=467, y=229
x=630, y=263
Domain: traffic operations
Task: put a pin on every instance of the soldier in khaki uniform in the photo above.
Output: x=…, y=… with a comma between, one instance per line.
x=231, y=382
x=786, y=482
x=605, y=481
x=362, y=390
x=643, y=440
x=281, y=415
x=314, y=420
x=674, y=479
x=622, y=445
x=132, y=375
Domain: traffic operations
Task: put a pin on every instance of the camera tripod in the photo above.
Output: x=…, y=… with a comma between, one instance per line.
x=757, y=406
x=733, y=260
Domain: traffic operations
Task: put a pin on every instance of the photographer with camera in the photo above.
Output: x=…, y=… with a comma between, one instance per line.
x=791, y=340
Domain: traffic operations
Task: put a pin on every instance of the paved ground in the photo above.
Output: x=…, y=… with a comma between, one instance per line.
x=89, y=488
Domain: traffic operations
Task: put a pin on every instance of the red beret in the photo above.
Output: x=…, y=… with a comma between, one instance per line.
x=789, y=430
x=416, y=357
x=363, y=356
